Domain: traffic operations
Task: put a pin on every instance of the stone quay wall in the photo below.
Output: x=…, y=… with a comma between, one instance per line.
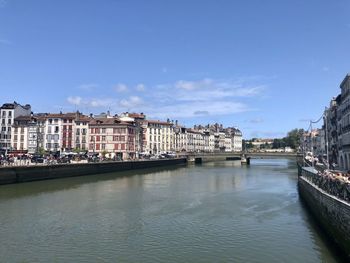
x=19, y=174
x=331, y=212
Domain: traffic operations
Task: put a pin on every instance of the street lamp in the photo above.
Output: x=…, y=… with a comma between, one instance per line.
x=326, y=135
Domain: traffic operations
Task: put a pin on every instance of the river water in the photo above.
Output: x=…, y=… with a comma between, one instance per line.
x=214, y=212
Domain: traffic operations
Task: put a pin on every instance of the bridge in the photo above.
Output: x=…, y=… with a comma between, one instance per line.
x=220, y=156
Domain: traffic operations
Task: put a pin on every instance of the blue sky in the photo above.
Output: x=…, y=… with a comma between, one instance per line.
x=263, y=66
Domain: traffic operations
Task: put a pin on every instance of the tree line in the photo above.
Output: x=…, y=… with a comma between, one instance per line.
x=292, y=140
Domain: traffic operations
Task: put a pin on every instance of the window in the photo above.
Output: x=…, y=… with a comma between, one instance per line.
x=49, y=129
x=9, y=129
x=56, y=129
x=103, y=146
x=103, y=138
x=103, y=130
x=10, y=114
x=3, y=121
x=22, y=138
x=22, y=129
x=15, y=137
x=50, y=121
x=4, y=114
x=9, y=121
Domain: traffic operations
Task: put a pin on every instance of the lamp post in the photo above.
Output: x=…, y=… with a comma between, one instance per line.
x=326, y=135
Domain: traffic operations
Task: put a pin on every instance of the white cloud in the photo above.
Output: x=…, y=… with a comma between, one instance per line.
x=192, y=85
x=206, y=90
x=120, y=87
x=183, y=99
x=140, y=87
x=131, y=102
x=91, y=102
x=256, y=120
x=196, y=109
x=96, y=103
x=74, y=100
x=88, y=87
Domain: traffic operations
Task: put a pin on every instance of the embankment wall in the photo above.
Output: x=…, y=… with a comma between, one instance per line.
x=332, y=213
x=9, y=175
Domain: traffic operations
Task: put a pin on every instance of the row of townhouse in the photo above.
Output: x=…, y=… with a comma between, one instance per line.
x=314, y=142
x=334, y=136
x=125, y=136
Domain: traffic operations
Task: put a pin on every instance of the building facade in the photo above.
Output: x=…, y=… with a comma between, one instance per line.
x=8, y=113
x=343, y=114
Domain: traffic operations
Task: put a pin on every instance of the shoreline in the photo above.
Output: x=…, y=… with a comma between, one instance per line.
x=21, y=174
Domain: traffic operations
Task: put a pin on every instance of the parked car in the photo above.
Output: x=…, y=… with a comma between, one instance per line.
x=37, y=159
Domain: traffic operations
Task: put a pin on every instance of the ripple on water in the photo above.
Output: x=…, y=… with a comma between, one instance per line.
x=216, y=212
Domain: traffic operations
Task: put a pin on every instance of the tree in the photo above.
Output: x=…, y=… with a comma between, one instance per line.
x=278, y=143
x=41, y=151
x=293, y=138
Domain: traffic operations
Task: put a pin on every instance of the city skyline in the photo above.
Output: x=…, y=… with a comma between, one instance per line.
x=265, y=68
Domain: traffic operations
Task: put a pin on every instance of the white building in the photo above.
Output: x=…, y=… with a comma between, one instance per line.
x=181, y=143
x=237, y=140
x=228, y=143
x=159, y=136
x=8, y=112
x=343, y=114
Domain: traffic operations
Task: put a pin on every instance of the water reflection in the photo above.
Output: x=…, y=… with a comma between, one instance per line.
x=212, y=212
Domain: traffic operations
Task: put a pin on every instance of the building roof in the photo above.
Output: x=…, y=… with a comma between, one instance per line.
x=159, y=122
x=347, y=77
x=108, y=122
x=77, y=116
x=136, y=115
x=11, y=106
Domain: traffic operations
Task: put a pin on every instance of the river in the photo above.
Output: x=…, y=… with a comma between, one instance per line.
x=214, y=212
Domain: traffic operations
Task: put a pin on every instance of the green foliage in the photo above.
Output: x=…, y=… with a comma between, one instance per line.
x=76, y=150
x=293, y=138
x=41, y=151
x=278, y=143
x=247, y=144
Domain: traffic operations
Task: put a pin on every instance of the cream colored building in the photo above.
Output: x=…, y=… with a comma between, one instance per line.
x=8, y=112
x=181, y=143
x=159, y=137
x=228, y=143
